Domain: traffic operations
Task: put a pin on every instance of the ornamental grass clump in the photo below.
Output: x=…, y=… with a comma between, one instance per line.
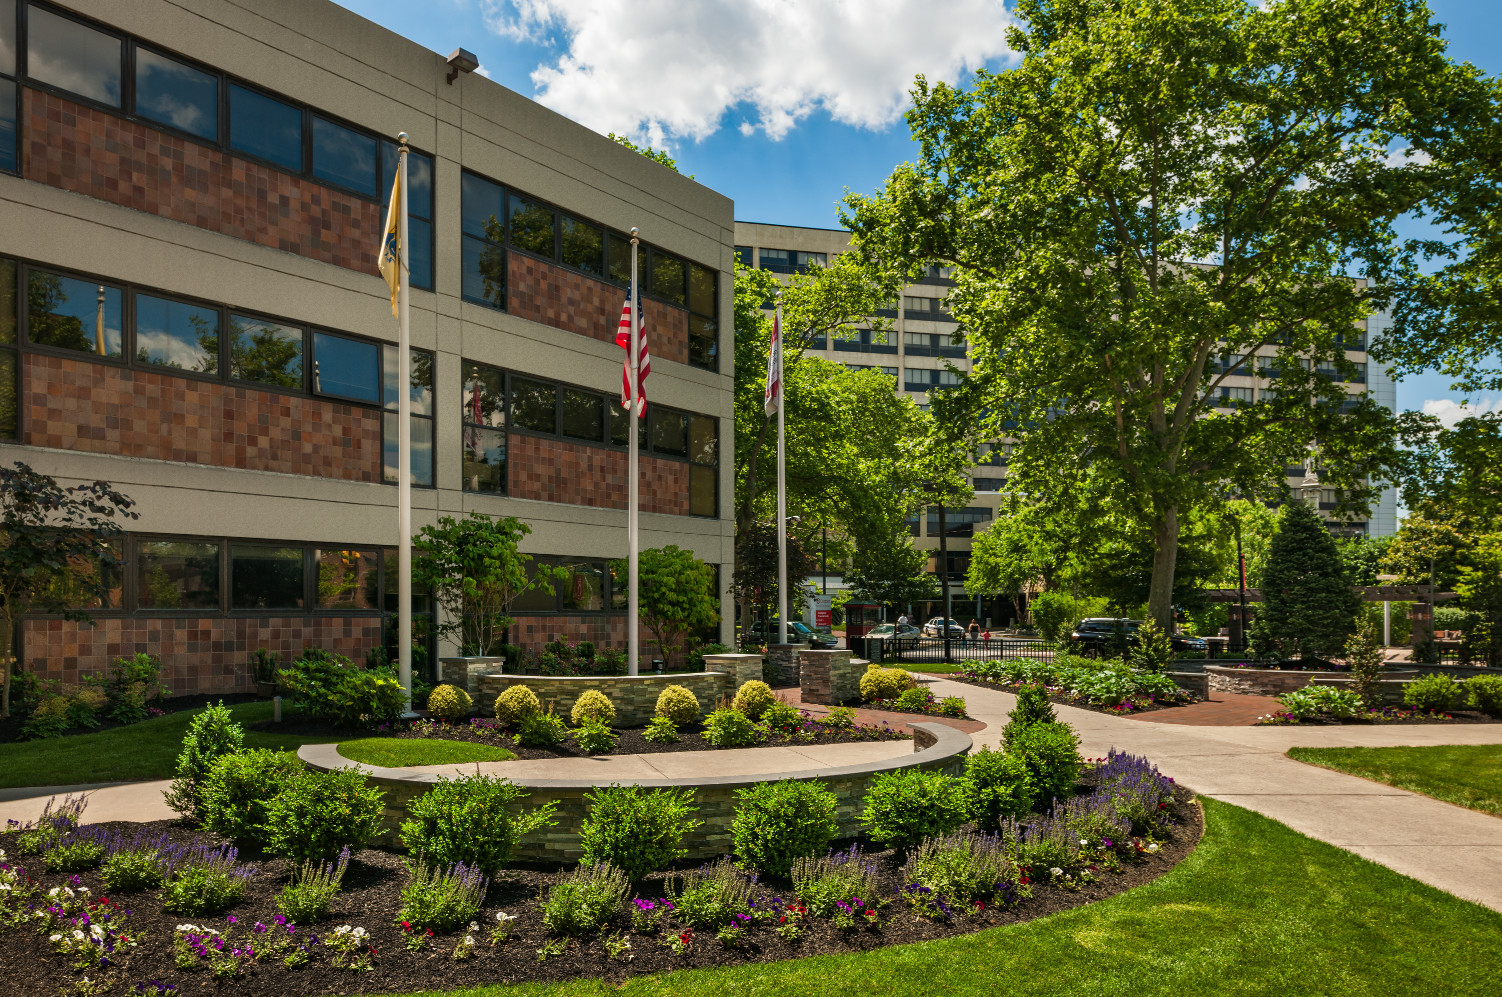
x=211, y=734
x=586, y=901
x=471, y=820
x=592, y=704
x=730, y=728
x=234, y=796
x=959, y=869
x=906, y=806
x=709, y=896
x=997, y=785
x=516, y=704
x=838, y=877
x=449, y=702
x=678, y=704
x=777, y=823
x=753, y=698
x=442, y=898
x=306, y=899
x=319, y=814
x=636, y=830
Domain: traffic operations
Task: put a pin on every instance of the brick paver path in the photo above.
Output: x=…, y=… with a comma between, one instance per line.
x=1222, y=709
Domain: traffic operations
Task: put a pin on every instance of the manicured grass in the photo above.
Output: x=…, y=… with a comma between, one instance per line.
x=1257, y=909
x=937, y=668
x=396, y=752
x=1468, y=775
x=147, y=750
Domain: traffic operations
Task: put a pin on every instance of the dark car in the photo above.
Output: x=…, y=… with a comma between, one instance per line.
x=798, y=633
x=1109, y=636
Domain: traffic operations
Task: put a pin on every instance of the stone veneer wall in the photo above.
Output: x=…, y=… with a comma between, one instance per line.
x=549, y=470
x=783, y=664
x=567, y=300
x=100, y=408
x=830, y=677
x=199, y=654
x=935, y=747
x=1274, y=682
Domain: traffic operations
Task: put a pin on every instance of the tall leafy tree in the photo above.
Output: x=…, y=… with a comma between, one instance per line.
x=1457, y=470
x=891, y=571
x=1308, y=605
x=677, y=595
x=1155, y=193
x=755, y=579
x=1429, y=546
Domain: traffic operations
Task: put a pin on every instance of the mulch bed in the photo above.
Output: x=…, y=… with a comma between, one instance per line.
x=1080, y=704
x=1389, y=717
x=371, y=900
x=10, y=727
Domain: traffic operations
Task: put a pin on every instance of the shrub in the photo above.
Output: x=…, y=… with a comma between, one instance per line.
x=211, y=735
x=916, y=700
x=331, y=688
x=636, y=830
x=1484, y=692
x=49, y=718
x=661, y=730
x=585, y=901
x=1052, y=613
x=1321, y=700
x=960, y=868
x=782, y=716
x=233, y=798
x=306, y=899
x=884, y=683
x=593, y=705
x=906, y=806
x=319, y=814
x=1438, y=693
x=1032, y=707
x=76, y=852
x=84, y=707
x=514, y=706
x=753, y=698
x=134, y=870
x=708, y=897
x=678, y=704
x=1153, y=651
x=1051, y=753
x=952, y=706
x=823, y=882
x=593, y=737
x=449, y=702
x=541, y=730
x=840, y=718
x=470, y=820
x=777, y=823
x=997, y=786
x=729, y=728
x=442, y=899
x=208, y=884
x=134, y=682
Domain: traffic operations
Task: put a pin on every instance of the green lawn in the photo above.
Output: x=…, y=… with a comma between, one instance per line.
x=1465, y=775
x=396, y=752
x=1257, y=909
x=937, y=668
x=147, y=750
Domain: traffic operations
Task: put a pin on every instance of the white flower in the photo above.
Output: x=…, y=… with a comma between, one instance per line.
x=1056, y=871
x=359, y=933
x=96, y=931
x=503, y=917
x=82, y=889
x=473, y=927
x=1153, y=847
x=469, y=939
x=77, y=935
x=343, y=929
x=1084, y=843
x=55, y=938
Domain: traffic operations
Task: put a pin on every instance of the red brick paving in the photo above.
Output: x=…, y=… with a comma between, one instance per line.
x=898, y=721
x=1222, y=709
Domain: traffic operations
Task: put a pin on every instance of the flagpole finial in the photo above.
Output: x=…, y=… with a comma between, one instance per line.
x=401, y=137
x=634, y=233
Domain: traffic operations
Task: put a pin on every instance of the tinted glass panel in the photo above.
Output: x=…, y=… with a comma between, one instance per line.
x=8, y=126
x=620, y=422
x=583, y=414
x=536, y=599
x=484, y=460
x=484, y=398
x=701, y=491
x=264, y=351
x=420, y=253
x=532, y=405
x=346, y=367
x=7, y=301
x=344, y=156
x=532, y=226
x=265, y=127
x=8, y=421
x=265, y=577
x=703, y=442
x=583, y=245
x=73, y=57
x=703, y=344
x=422, y=450
x=176, y=334
x=72, y=314
x=420, y=376
x=347, y=579
x=484, y=272
x=584, y=589
x=620, y=259
x=668, y=277
x=701, y=286
x=176, y=94
x=481, y=208
x=8, y=37
x=177, y=575
x=669, y=432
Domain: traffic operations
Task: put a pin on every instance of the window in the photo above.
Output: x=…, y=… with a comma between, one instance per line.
x=926, y=309
x=668, y=278
x=266, y=352
x=347, y=368
x=419, y=209
x=8, y=159
x=266, y=577
x=9, y=365
x=531, y=226
x=619, y=247
x=583, y=589
x=1230, y=360
x=482, y=209
x=790, y=260
x=173, y=93
x=484, y=418
x=8, y=37
x=957, y=522
x=346, y=157
x=536, y=599
x=173, y=575
x=534, y=405
x=927, y=380
x=914, y=525
x=420, y=390
x=72, y=314
x=743, y=256
x=422, y=450
x=669, y=431
x=993, y=453
x=72, y=56
x=177, y=334
x=703, y=324
x=927, y=344
x=866, y=341
x=1234, y=397
x=703, y=473
x=988, y=484
x=582, y=246
x=583, y=414
x=265, y=127
x=347, y=579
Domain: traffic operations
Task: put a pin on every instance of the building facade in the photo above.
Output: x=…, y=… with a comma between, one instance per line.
x=189, y=309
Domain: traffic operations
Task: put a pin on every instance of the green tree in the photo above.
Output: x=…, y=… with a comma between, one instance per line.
x=892, y=572
x=657, y=156
x=475, y=571
x=1308, y=607
x=754, y=581
x=1030, y=542
x=58, y=552
x=1156, y=193
x=1455, y=471
x=676, y=594
x=1362, y=557
x=1429, y=547
x=1480, y=588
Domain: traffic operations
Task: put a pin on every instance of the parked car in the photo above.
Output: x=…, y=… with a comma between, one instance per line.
x=896, y=637
x=1108, y=635
x=935, y=628
x=798, y=633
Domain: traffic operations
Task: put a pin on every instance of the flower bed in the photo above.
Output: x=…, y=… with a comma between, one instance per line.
x=1107, y=686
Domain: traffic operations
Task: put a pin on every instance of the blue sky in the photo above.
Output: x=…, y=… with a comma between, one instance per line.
x=781, y=106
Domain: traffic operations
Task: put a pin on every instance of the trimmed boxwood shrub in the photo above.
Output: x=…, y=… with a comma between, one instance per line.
x=516, y=704
x=636, y=830
x=904, y=807
x=777, y=823
x=753, y=698
x=593, y=705
x=449, y=702
x=1051, y=753
x=997, y=786
x=238, y=787
x=678, y=704
x=472, y=820
x=1432, y=692
x=884, y=683
x=319, y=814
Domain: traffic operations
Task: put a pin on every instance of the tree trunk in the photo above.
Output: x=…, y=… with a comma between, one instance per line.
x=6, y=664
x=1165, y=557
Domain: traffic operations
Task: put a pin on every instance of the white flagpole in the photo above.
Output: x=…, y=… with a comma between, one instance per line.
x=633, y=604
x=782, y=490
x=404, y=449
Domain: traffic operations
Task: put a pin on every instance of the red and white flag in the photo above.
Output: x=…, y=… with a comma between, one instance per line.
x=773, y=397
x=623, y=340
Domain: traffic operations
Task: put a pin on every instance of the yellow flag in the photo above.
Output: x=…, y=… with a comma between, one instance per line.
x=390, y=254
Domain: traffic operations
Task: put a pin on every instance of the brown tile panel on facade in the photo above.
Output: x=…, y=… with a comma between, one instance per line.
x=92, y=152
x=574, y=302
x=531, y=632
x=578, y=474
x=99, y=408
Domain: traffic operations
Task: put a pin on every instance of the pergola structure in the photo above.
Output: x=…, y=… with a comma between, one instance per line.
x=1423, y=597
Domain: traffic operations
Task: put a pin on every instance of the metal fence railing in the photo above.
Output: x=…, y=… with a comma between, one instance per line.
x=930, y=650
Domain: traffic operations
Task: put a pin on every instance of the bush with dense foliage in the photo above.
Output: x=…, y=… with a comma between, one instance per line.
x=753, y=698
x=233, y=799
x=442, y=898
x=636, y=830
x=1321, y=701
x=661, y=730
x=678, y=704
x=331, y=688
x=1484, y=693
x=319, y=814
x=593, y=737
x=1032, y=707
x=585, y=901
x=593, y=704
x=998, y=785
x=541, y=730
x=906, y=806
x=730, y=728
x=516, y=704
x=777, y=823
x=449, y=702
x=1439, y=693
x=884, y=683
x=472, y=819
x=1051, y=753
x=211, y=734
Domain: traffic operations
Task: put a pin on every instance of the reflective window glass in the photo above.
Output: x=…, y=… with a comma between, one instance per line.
x=73, y=314
x=583, y=245
x=265, y=577
x=9, y=420
x=481, y=208
x=420, y=253
x=346, y=157
x=177, y=334
x=265, y=127
x=7, y=301
x=264, y=351
x=531, y=226
x=8, y=37
x=484, y=460
x=347, y=579
x=620, y=259
x=703, y=440
x=668, y=277
x=702, y=493
x=177, y=94
x=484, y=272
x=484, y=396
x=583, y=591
x=346, y=367
x=533, y=405
x=583, y=414
x=171, y=575
x=8, y=159
x=701, y=288
x=419, y=178
x=71, y=56
x=422, y=450
x=420, y=376
x=669, y=432
x=703, y=341
x=536, y=599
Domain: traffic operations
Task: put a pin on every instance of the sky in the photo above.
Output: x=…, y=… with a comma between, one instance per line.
x=782, y=105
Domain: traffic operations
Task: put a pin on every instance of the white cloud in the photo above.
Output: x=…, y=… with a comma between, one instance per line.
x=664, y=69
x=1449, y=411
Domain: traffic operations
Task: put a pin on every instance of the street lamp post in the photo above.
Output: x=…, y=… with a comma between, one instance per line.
x=944, y=577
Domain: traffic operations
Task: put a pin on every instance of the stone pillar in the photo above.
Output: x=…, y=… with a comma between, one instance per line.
x=465, y=672
x=1422, y=615
x=828, y=677
x=782, y=664
x=738, y=668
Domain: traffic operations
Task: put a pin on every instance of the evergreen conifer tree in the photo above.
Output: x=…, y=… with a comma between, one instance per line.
x=1308, y=607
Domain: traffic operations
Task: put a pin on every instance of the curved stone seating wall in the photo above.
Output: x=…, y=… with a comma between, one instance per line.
x=935, y=746
x=1275, y=682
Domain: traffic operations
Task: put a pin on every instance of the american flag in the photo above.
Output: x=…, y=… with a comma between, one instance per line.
x=773, y=397
x=623, y=340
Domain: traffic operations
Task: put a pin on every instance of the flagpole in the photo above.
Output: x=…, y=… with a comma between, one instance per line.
x=633, y=604
x=782, y=489
x=404, y=450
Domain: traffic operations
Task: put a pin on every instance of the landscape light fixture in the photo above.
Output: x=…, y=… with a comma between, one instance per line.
x=461, y=60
